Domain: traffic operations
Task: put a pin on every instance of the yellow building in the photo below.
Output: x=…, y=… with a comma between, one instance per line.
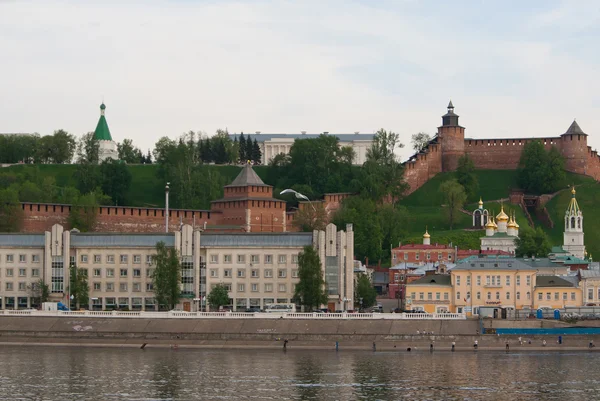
x=432, y=294
x=555, y=293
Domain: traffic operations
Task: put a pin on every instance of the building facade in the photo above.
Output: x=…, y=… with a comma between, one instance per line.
x=272, y=145
x=256, y=268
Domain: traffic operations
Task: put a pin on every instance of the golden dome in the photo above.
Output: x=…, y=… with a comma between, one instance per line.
x=502, y=217
x=511, y=223
x=495, y=225
x=426, y=235
x=490, y=224
x=480, y=202
x=573, y=190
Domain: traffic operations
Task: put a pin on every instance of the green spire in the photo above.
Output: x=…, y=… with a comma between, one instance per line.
x=102, y=133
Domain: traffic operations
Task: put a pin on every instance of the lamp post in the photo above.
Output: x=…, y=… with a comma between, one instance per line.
x=167, y=207
x=361, y=305
x=298, y=196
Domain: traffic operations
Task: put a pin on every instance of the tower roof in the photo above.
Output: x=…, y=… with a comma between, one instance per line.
x=573, y=208
x=502, y=216
x=450, y=105
x=574, y=129
x=247, y=177
x=102, y=133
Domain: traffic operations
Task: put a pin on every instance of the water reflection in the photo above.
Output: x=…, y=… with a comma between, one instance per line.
x=309, y=373
x=165, y=377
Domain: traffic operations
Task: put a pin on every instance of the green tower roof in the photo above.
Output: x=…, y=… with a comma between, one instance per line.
x=102, y=133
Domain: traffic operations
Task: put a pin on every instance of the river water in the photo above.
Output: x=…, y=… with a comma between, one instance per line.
x=66, y=373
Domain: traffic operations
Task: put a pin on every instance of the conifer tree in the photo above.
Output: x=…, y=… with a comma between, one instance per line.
x=256, y=153
x=242, y=153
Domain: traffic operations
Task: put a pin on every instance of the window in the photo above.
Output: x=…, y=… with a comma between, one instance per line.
x=449, y=257
x=528, y=295
x=295, y=258
x=468, y=280
x=214, y=258
x=556, y=296
x=507, y=280
x=241, y=288
x=149, y=287
x=123, y=259
x=548, y=296
x=518, y=280
x=528, y=280
x=149, y=272
x=430, y=296
x=22, y=272
x=254, y=273
x=35, y=258
x=478, y=280
x=457, y=280
x=97, y=287
x=268, y=287
x=268, y=259
x=572, y=296
x=110, y=287
x=458, y=295
x=149, y=259
x=137, y=273
x=110, y=259
x=468, y=294
x=590, y=293
x=35, y=272
x=83, y=258
x=438, y=296
x=413, y=296
x=22, y=258
x=9, y=272
x=241, y=258
x=445, y=296
x=137, y=259
x=282, y=288
x=283, y=259
x=564, y=296
x=405, y=255
x=254, y=287
x=227, y=259
x=227, y=273
x=9, y=286
x=97, y=259
x=282, y=273
x=439, y=256
x=507, y=295
x=294, y=273
x=268, y=273
x=110, y=272
x=421, y=295
x=123, y=287
x=9, y=259
x=253, y=258
x=123, y=272
x=498, y=295
x=417, y=256
x=137, y=287
x=395, y=256
x=487, y=280
x=428, y=256
x=518, y=294
x=241, y=273
x=540, y=296
x=214, y=273
x=478, y=295
x=22, y=286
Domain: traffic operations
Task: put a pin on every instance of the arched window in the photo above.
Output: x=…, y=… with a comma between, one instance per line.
x=579, y=222
x=498, y=295
x=468, y=294
x=518, y=295
x=572, y=222
x=528, y=295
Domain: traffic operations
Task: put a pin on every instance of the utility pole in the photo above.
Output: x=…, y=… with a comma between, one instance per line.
x=167, y=207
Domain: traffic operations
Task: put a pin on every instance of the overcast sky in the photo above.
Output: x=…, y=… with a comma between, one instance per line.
x=511, y=68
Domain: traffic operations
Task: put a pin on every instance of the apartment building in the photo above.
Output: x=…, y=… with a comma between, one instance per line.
x=256, y=268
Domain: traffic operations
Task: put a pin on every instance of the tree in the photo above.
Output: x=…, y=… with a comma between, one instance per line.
x=532, y=243
x=148, y=158
x=365, y=291
x=256, y=153
x=166, y=278
x=454, y=197
x=310, y=290
x=420, y=141
x=11, y=214
x=249, y=150
x=84, y=212
x=242, y=149
x=116, y=179
x=308, y=219
x=128, y=153
x=39, y=291
x=540, y=171
x=218, y=296
x=465, y=175
x=78, y=286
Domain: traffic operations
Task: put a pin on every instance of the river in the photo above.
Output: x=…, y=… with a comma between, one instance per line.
x=68, y=373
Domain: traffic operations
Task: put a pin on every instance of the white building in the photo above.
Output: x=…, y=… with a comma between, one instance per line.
x=573, y=234
x=273, y=144
x=108, y=147
x=256, y=268
x=500, y=236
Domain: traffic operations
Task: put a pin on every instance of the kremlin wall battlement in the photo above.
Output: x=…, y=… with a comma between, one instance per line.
x=443, y=152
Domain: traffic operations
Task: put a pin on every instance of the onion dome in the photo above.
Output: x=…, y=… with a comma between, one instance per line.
x=426, y=235
x=480, y=202
x=490, y=224
x=495, y=225
x=511, y=223
x=502, y=217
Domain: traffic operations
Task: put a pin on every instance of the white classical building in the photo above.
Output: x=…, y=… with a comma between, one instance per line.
x=573, y=234
x=108, y=147
x=273, y=144
x=500, y=236
x=256, y=268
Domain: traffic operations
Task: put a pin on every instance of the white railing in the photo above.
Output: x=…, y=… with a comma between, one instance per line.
x=239, y=315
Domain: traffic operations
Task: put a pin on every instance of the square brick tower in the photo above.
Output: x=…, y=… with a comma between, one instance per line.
x=452, y=138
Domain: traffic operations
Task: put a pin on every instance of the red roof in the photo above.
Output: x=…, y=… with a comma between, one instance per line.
x=421, y=246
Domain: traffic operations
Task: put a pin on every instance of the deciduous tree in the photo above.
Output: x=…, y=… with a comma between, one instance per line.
x=166, y=278
x=78, y=286
x=454, y=198
x=310, y=290
x=532, y=243
x=540, y=171
x=465, y=175
x=365, y=291
x=11, y=214
x=218, y=296
x=419, y=141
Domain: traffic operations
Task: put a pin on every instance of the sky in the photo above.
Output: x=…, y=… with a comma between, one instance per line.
x=511, y=68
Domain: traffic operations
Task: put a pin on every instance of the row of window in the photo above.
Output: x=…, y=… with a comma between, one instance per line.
x=427, y=256
x=489, y=296
x=267, y=259
x=123, y=259
x=10, y=258
x=254, y=273
x=123, y=287
x=10, y=272
x=495, y=280
x=267, y=287
x=591, y=294
x=108, y=272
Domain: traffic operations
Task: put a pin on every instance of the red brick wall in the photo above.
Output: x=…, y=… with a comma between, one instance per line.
x=424, y=166
x=453, y=146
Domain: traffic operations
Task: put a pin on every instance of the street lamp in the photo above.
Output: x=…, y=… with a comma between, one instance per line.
x=167, y=207
x=298, y=196
x=345, y=301
x=361, y=305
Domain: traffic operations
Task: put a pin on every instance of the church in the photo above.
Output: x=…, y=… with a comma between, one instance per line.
x=107, y=147
x=501, y=233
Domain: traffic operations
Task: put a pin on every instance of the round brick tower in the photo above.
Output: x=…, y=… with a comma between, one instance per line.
x=452, y=139
x=573, y=147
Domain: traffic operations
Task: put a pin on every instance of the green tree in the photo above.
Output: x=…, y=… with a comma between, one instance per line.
x=365, y=291
x=84, y=212
x=465, y=175
x=218, y=296
x=11, y=214
x=88, y=149
x=540, y=171
x=166, y=278
x=420, y=141
x=129, y=153
x=78, y=286
x=116, y=179
x=242, y=149
x=532, y=243
x=249, y=150
x=454, y=198
x=57, y=148
x=310, y=290
x=256, y=153
x=39, y=291
x=308, y=218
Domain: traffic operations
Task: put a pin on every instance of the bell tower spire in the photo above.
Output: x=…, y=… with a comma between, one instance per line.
x=573, y=235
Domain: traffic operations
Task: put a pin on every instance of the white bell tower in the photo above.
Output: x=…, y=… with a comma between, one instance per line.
x=573, y=235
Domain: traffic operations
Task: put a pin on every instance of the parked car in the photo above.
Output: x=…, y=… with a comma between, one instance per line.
x=253, y=310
